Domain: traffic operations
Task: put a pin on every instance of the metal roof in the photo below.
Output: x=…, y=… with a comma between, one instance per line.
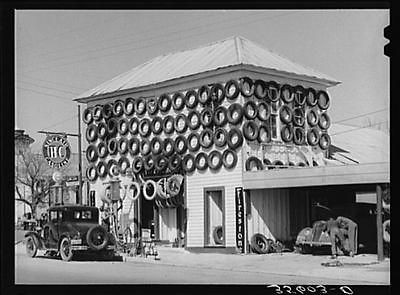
x=221, y=54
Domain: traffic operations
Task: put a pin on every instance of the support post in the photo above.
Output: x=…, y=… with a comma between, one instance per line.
x=79, y=156
x=379, y=222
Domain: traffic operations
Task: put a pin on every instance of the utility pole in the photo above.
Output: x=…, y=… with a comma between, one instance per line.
x=79, y=155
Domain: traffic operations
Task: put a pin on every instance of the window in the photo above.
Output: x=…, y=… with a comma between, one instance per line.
x=86, y=214
x=53, y=216
x=214, y=217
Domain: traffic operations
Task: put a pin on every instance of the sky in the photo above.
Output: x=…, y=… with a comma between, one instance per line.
x=62, y=53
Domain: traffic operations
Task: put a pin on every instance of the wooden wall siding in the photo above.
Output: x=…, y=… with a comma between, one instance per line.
x=299, y=211
x=167, y=224
x=270, y=214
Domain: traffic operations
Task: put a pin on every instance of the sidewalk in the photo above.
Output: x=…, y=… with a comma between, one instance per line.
x=361, y=268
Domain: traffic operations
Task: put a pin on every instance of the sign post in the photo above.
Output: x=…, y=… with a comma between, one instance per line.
x=240, y=224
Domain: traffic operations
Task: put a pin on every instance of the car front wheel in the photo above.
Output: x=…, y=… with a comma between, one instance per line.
x=31, y=246
x=65, y=249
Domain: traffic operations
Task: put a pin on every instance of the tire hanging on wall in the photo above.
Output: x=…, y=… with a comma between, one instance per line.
x=201, y=161
x=260, y=89
x=263, y=111
x=299, y=95
x=286, y=93
x=174, y=163
x=178, y=101
x=145, y=127
x=91, y=173
x=312, y=117
x=169, y=145
x=87, y=116
x=160, y=163
x=311, y=97
x=102, y=130
x=324, y=121
x=148, y=163
x=164, y=102
x=174, y=184
x=129, y=106
x=193, y=120
x=285, y=114
x=91, y=153
x=206, y=138
x=204, y=95
x=229, y=159
x=235, y=138
x=299, y=135
x=168, y=124
x=206, y=117
x=273, y=91
x=112, y=126
x=264, y=134
x=218, y=235
x=323, y=100
x=149, y=189
x=123, y=126
x=113, y=168
x=152, y=106
x=112, y=146
x=287, y=133
x=123, y=145
x=220, y=137
x=298, y=117
x=134, y=146
x=180, y=145
x=107, y=111
x=232, y=89
x=102, y=149
x=191, y=99
x=123, y=164
x=188, y=163
x=260, y=244
x=250, y=130
x=134, y=126
x=156, y=145
x=91, y=133
x=193, y=141
x=313, y=136
x=145, y=147
x=217, y=93
x=253, y=160
x=118, y=108
x=136, y=190
x=386, y=230
x=235, y=114
x=250, y=110
x=180, y=123
x=101, y=169
x=214, y=155
x=97, y=113
x=162, y=189
x=137, y=164
x=324, y=141
x=157, y=125
x=246, y=86
x=140, y=106
x=220, y=116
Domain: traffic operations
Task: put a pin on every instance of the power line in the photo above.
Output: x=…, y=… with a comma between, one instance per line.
x=362, y=115
x=43, y=93
x=362, y=127
x=52, y=82
x=60, y=122
x=50, y=88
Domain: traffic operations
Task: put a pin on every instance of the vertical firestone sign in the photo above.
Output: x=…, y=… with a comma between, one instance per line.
x=239, y=204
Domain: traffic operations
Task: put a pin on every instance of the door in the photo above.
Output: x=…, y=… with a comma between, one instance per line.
x=214, y=217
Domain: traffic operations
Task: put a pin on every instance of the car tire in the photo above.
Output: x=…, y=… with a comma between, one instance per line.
x=206, y=113
x=123, y=164
x=112, y=127
x=246, y=86
x=101, y=169
x=157, y=125
x=218, y=235
x=298, y=117
x=137, y=164
x=285, y=114
x=313, y=136
x=206, y=133
x=123, y=126
x=263, y=111
x=256, y=161
x=140, y=106
x=169, y=146
x=204, y=95
x=217, y=93
x=286, y=93
x=264, y=134
x=174, y=163
x=250, y=110
x=134, y=146
x=93, y=235
x=323, y=100
x=65, y=250
x=260, y=89
x=188, y=163
x=145, y=127
x=260, y=244
x=180, y=123
x=232, y=89
x=193, y=125
x=87, y=116
x=136, y=187
x=118, y=108
x=168, y=124
x=112, y=146
x=233, y=109
x=250, y=130
x=160, y=163
x=225, y=161
x=123, y=145
x=145, y=147
x=235, y=138
x=97, y=113
x=102, y=130
x=311, y=97
x=324, y=141
x=180, y=145
x=107, y=111
x=113, y=168
x=214, y=166
x=134, y=126
x=91, y=133
x=164, y=103
x=190, y=140
x=201, y=158
x=220, y=137
x=220, y=116
x=149, y=164
x=287, y=133
x=386, y=230
x=178, y=101
x=31, y=246
x=152, y=106
x=91, y=173
x=299, y=135
x=191, y=99
x=154, y=149
x=129, y=106
x=324, y=121
x=312, y=117
x=92, y=153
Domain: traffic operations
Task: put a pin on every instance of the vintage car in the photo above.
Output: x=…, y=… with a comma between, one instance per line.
x=310, y=240
x=69, y=230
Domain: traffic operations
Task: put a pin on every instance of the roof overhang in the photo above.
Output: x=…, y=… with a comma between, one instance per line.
x=317, y=176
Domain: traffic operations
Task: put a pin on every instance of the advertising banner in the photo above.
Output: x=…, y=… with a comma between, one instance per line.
x=239, y=205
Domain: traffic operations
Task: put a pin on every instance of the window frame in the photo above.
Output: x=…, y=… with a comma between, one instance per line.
x=206, y=202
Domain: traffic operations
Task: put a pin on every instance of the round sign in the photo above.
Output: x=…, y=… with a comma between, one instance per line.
x=56, y=150
x=58, y=176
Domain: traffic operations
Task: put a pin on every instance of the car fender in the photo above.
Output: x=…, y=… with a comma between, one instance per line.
x=39, y=239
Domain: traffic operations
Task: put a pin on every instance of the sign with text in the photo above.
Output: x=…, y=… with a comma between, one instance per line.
x=239, y=205
x=56, y=150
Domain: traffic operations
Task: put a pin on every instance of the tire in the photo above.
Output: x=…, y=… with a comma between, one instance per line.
x=97, y=113
x=250, y=130
x=140, y=106
x=107, y=111
x=235, y=114
x=168, y=124
x=123, y=126
x=193, y=124
x=324, y=141
x=91, y=153
x=313, y=136
x=112, y=146
x=193, y=138
x=250, y=110
x=169, y=145
x=97, y=238
x=218, y=235
x=134, y=146
x=386, y=231
x=312, y=118
x=264, y=134
x=136, y=188
x=232, y=89
x=263, y=111
x=220, y=137
x=91, y=173
x=311, y=97
x=32, y=246
x=235, y=138
x=214, y=166
x=299, y=95
x=102, y=130
x=174, y=184
x=123, y=145
x=180, y=123
x=191, y=99
x=65, y=250
x=298, y=117
x=134, y=126
x=129, y=106
x=188, y=163
x=273, y=91
x=157, y=125
x=91, y=133
x=286, y=93
x=123, y=164
x=225, y=159
x=206, y=117
x=112, y=126
x=256, y=161
x=161, y=190
x=152, y=106
x=174, y=163
x=137, y=164
x=324, y=121
x=178, y=101
x=201, y=161
x=118, y=108
x=206, y=133
x=260, y=244
x=180, y=145
x=204, y=95
x=323, y=100
x=260, y=89
x=220, y=116
x=299, y=135
x=217, y=93
x=156, y=145
x=101, y=169
x=287, y=133
x=148, y=162
x=285, y=114
x=160, y=163
x=164, y=103
x=87, y=116
x=246, y=86
x=145, y=127
x=113, y=168
x=145, y=147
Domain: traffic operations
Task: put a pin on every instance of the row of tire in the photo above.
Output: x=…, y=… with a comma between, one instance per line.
x=263, y=90
x=254, y=162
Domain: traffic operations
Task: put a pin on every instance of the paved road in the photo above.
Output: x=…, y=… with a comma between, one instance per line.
x=43, y=270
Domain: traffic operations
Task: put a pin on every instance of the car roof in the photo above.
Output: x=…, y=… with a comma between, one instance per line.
x=73, y=207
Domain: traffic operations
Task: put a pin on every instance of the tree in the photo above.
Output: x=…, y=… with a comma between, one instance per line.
x=30, y=172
